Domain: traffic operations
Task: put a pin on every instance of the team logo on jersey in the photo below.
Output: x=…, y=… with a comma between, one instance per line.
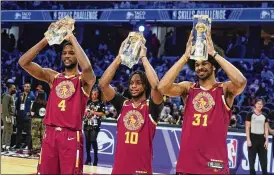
x=133, y=120
x=65, y=89
x=232, y=145
x=203, y=102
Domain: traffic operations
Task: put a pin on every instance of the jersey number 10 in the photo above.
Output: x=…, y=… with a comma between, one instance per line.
x=131, y=137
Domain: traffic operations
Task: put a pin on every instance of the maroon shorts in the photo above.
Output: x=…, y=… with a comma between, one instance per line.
x=62, y=152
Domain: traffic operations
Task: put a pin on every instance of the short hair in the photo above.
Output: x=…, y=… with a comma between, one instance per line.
x=259, y=99
x=144, y=81
x=66, y=44
x=191, y=63
x=10, y=85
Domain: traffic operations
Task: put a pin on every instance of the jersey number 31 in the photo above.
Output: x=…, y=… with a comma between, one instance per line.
x=198, y=119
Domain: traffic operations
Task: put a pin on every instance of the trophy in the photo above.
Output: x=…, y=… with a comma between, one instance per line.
x=201, y=25
x=131, y=50
x=58, y=31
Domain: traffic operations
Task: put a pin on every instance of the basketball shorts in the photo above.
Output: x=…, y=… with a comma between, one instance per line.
x=62, y=152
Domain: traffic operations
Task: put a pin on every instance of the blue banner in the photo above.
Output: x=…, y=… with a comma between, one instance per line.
x=150, y=15
x=166, y=147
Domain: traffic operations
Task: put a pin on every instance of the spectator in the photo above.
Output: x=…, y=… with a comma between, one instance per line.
x=255, y=85
x=236, y=121
x=262, y=91
x=11, y=42
x=166, y=116
x=38, y=112
x=92, y=123
x=155, y=45
x=251, y=98
x=7, y=116
x=23, y=118
x=5, y=39
x=266, y=74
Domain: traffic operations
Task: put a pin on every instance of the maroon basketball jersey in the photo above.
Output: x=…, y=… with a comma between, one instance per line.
x=135, y=133
x=203, y=148
x=66, y=103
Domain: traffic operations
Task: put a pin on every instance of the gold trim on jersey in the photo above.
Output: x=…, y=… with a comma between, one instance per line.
x=227, y=107
x=150, y=117
x=71, y=76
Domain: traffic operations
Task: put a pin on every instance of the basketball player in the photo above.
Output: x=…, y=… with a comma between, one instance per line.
x=136, y=123
x=207, y=114
x=62, y=145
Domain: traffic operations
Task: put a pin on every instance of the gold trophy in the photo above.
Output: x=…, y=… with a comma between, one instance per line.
x=131, y=50
x=201, y=25
x=58, y=31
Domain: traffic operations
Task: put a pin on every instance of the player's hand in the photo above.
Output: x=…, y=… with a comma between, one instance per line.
x=210, y=46
x=266, y=143
x=69, y=36
x=92, y=112
x=89, y=117
x=189, y=45
x=249, y=144
x=122, y=45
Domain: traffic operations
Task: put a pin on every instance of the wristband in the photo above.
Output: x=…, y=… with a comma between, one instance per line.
x=215, y=54
x=185, y=58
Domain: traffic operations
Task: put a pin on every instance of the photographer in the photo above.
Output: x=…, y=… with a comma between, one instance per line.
x=92, y=122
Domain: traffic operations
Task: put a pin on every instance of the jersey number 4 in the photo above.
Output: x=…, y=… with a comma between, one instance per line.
x=198, y=118
x=62, y=105
x=131, y=137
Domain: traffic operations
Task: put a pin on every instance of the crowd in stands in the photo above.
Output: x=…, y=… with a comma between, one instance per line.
x=54, y=5
x=259, y=74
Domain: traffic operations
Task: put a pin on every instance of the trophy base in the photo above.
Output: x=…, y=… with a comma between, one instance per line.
x=198, y=58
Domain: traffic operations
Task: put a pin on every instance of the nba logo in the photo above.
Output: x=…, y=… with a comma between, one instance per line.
x=232, y=146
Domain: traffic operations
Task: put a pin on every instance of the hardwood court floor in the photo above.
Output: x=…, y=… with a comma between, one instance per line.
x=14, y=165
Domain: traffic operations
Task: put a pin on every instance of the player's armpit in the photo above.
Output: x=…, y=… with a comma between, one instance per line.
x=231, y=91
x=108, y=92
x=178, y=89
x=87, y=87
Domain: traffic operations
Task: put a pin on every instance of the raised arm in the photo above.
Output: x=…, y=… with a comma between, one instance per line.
x=34, y=69
x=152, y=77
x=167, y=85
x=237, y=81
x=87, y=72
x=104, y=83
